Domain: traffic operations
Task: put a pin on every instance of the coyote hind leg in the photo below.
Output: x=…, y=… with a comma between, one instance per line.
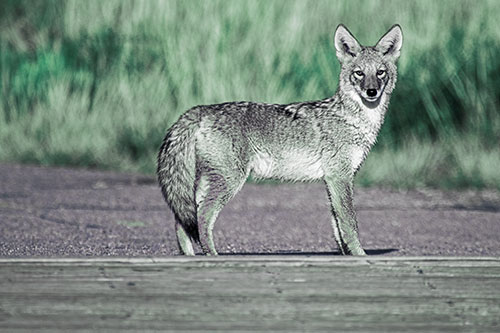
x=183, y=240
x=212, y=194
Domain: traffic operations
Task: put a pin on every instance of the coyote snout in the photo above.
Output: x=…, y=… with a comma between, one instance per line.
x=211, y=150
x=370, y=83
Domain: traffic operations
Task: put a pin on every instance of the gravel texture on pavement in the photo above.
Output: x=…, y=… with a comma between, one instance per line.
x=54, y=212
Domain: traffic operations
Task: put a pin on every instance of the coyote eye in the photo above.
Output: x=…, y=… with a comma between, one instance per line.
x=380, y=73
x=359, y=74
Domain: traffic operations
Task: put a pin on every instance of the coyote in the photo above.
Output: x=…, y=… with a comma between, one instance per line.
x=208, y=154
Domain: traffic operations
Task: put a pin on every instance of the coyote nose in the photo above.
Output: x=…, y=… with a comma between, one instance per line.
x=371, y=92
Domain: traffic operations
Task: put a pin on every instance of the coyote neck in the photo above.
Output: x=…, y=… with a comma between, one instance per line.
x=368, y=119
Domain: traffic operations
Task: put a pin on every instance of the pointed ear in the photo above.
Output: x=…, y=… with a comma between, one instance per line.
x=390, y=43
x=347, y=46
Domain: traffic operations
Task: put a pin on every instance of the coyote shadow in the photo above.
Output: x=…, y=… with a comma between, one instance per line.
x=306, y=254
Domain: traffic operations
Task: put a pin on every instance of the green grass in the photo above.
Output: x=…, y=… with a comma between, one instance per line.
x=97, y=83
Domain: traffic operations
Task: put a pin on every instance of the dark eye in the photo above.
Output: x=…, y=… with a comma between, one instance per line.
x=380, y=73
x=359, y=73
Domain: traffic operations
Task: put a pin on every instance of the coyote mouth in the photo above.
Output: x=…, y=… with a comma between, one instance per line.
x=371, y=99
x=371, y=102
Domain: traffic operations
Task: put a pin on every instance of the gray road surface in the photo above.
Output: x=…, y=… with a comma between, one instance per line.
x=78, y=213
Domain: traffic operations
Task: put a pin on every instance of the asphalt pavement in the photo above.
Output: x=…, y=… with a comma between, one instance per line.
x=63, y=212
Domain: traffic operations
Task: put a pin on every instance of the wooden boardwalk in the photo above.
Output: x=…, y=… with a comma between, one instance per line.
x=258, y=293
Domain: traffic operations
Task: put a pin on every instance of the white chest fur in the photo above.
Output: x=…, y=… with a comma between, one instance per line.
x=358, y=155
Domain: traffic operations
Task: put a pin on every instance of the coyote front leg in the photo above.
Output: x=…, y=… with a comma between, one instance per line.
x=345, y=226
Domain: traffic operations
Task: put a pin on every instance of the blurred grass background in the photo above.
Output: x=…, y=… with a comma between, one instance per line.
x=97, y=83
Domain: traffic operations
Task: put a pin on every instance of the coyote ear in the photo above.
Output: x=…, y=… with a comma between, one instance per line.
x=347, y=46
x=390, y=43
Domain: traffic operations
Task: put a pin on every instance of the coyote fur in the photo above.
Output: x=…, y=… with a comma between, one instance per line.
x=208, y=154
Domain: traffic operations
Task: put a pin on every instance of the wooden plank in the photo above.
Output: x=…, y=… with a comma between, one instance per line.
x=250, y=294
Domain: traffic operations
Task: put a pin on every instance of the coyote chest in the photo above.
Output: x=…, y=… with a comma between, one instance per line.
x=294, y=164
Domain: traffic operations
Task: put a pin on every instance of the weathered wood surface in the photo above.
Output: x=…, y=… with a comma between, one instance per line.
x=260, y=293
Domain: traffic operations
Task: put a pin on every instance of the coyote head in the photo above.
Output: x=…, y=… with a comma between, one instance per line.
x=368, y=72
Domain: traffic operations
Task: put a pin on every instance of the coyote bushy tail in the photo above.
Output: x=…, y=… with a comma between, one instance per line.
x=176, y=173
